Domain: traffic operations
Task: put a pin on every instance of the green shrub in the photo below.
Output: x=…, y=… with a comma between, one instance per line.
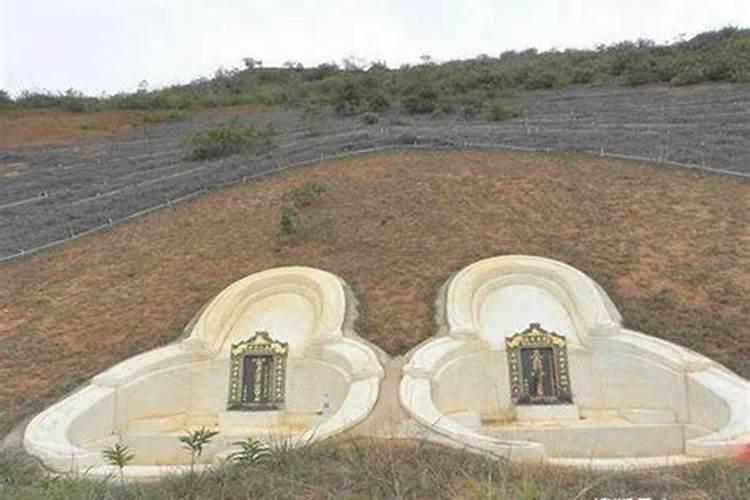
x=306, y=194
x=421, y=98
x=641, y=71
x=195, y=441
x=376, y=101
x=717, y=56
x=499, y=110
x=5, y=99
x=70, y=100
x=268, y=95
x=251, y=451
x=472, y=104
x=118, y=455
x=370, y=118
x=689, y=75
x=288, y=220
x=583, y=75
x=295, y=200
x=230, y=139
x=544, y=78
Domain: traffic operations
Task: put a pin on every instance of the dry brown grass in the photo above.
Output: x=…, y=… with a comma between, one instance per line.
x=33, y=127
x=672, y=247
x=27, y=127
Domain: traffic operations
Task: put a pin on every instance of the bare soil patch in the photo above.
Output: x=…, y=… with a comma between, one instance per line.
x=51, y=126
x=36, y=127
x=672, y=247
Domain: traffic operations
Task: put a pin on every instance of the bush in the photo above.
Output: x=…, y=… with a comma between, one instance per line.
x=251, y=451
x=472, y=104
x=421, y=98
x=306, y=194
x=370, y=118
x=544, y=78
x=230, y=139
x=689, y=76
x=640, y=72
x=70, y=100
x=583, y=75
x=289, y=220
x=377, y=101
x=5, y=99
x=346, y=99
x=499, y=110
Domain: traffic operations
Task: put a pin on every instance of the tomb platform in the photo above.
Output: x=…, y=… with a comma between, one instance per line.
x=273, y=357
x=531, y=362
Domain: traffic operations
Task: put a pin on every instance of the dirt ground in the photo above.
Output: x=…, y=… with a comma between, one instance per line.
x=39, y=127
x=671, y=246
x=50, y=192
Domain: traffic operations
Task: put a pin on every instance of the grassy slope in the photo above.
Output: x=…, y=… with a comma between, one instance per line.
x=367, y=469
x=672, y=247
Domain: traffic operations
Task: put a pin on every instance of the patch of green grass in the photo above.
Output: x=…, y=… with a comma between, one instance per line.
x=386, y=469
x=230, y=139
x=498, y=110
x=299, y=198
x=306, y=194
x=288, y=220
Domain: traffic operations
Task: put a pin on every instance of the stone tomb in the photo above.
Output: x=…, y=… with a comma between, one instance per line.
x=532, y=363
x=273, y=356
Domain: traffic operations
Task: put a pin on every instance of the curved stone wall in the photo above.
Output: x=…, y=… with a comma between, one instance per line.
x=637, y=400
x=332, y=382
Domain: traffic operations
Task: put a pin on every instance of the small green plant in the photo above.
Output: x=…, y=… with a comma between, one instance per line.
x=251, y=451
x=289, y=220
x=295, y=200
x=421, y=98
x=230, y=139
x=498, y=111
x=118, y=455
x=194, y=441
x=306, y=194
x=370, y=118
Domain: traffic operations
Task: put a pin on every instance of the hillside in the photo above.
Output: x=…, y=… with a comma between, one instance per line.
x=471, y=88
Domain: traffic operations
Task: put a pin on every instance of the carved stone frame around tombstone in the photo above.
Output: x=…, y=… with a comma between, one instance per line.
x=538, y=367
x=257, y=374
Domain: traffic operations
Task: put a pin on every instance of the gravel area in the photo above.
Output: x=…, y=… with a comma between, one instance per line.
x=61, y=191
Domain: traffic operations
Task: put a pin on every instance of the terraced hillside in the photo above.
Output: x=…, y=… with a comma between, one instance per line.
x=50, y=193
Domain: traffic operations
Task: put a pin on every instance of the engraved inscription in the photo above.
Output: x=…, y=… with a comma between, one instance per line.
x=257, y=372
x=538, y=367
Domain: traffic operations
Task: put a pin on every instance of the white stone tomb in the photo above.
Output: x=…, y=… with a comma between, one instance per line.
x=613, y=397
x=311, y=378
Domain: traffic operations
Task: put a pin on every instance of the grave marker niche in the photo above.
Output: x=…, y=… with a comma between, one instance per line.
x=257, y=373
x=538, y=367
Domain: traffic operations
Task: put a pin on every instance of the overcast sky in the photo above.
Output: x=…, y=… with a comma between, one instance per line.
x=111, y=45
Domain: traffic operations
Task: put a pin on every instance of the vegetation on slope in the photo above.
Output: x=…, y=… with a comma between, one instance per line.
x=465, y=86
x=668, y=245
x=385, y=469
x=229, y=139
